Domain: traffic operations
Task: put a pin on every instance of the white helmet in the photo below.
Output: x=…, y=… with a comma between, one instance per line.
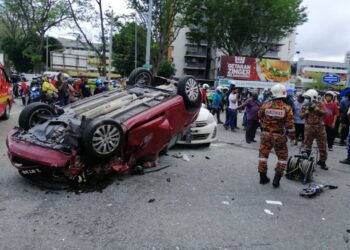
x=205, y=86
x=331, y=93
x=312, y=94
x=278, y=91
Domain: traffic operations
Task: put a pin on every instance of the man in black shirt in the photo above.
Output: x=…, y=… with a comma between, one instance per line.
x=84, y=88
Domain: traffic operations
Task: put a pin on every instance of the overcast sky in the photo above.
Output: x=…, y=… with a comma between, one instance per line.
x=325, y=36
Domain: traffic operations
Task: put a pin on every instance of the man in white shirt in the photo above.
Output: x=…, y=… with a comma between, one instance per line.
x=232, y=111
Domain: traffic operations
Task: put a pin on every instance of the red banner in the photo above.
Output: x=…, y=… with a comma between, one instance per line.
x=254, y=69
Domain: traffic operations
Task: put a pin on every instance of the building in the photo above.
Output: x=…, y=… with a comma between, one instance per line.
x=77, y=59
x=347, y=58
x=309, y=70
x=192, y=59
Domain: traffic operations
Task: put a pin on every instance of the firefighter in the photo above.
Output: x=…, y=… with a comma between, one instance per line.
x=277, y=121
x=314, y=113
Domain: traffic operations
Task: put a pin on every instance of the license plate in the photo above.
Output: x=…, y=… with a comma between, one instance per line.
x=31, y=171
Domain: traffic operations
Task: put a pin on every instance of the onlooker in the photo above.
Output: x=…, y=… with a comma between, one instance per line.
x=347, y=160
x=84, y=89
x=330, y=118
x=98, y=89
x=63, y=91
x=344, y=106
x=105, y=86
x=204, y=89
x=232, y=110
x=252, y=108
x=216, y=105
x=49, y=91
x=24, y=92
x=298, y=122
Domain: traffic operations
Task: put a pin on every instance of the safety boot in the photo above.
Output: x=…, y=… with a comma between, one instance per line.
x=276, y=180
x=346, y=161
x=322, y=165
x=264, y=179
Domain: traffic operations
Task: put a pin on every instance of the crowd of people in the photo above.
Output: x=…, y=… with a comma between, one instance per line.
x=58, y=89
x=279, y=113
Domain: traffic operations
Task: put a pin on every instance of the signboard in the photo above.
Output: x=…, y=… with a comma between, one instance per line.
x=331, y=79
x=147, y=66
x=258, y=84
x=254, y=69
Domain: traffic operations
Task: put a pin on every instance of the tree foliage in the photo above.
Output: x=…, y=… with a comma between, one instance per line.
x=166, y=69
x=84, y=14
x=166, y=21
x=124, y=48
x=243, y=27
x=24, y=24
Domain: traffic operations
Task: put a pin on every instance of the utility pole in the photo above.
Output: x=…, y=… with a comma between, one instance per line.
x=110, y=47
x=149, y=29
x=135, y=41
x=47, y=53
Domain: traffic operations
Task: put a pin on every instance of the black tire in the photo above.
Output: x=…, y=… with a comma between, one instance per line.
x=27, y=118
x=7, y=113
x=95, y=131
x=140, y=76
x=207, y=145
x=189, y=89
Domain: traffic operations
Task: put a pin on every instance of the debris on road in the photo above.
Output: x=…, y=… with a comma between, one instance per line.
x=323, y=218
x=315, y=189
x=207, y=157
x=225, y=203
x=151, y=200
x=274, y=202
x=181, y=156
x=109, y=205
x=267, y=211
x=168, y=180
x=346, y=238
x=348, y=231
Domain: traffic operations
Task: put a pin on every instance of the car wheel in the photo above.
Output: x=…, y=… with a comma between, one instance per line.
x=102, y=139
x=188, y=88
x=140, y=76
x=6, y=115
x=34, y=114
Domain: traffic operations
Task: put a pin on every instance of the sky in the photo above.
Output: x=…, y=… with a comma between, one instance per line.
x=325, y=36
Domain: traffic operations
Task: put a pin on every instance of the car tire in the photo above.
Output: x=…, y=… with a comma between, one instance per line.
x=27, y=118
x=7, y=113
x=188, y=88
x=140, y=76
x=102, y=139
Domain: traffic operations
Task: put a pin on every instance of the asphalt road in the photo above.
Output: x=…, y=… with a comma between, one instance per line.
x=213, y=203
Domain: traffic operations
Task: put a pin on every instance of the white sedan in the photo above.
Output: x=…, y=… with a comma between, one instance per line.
x=203, y=131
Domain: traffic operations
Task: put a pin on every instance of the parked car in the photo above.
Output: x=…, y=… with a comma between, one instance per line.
x=118, y=130
x=203, y=130
x=6, y=98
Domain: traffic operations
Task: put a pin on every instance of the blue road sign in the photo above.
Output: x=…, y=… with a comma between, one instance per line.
x=331, y=79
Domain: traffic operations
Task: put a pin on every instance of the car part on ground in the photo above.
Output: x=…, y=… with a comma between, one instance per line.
x=112, y=131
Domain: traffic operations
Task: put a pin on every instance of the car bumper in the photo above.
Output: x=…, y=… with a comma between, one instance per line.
x=200, y=135
x=25, y=155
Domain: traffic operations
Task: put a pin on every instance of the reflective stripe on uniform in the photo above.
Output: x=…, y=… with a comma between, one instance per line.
x=291, y=130
x=282, y=162
x=262, y=159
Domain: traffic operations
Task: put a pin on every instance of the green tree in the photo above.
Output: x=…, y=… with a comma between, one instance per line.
x=166, y=22
x=124, y=48
x=27, y=21
x=166, y=69
x=243, y=27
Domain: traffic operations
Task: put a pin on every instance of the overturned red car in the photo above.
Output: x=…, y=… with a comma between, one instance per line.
x=114, y=131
